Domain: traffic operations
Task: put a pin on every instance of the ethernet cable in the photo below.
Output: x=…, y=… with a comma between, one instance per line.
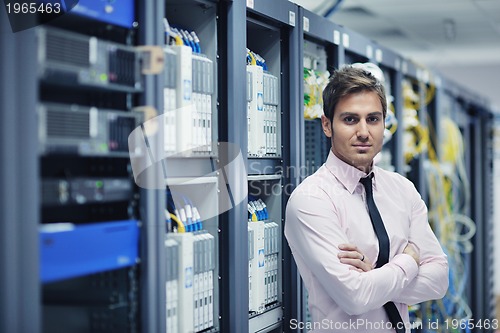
x=185, y=39
x=255, y=210
x=446, y=175
x=250, y=58
x=260, y=61
x=177, y=36
x=189, y=218
x=197, y=218
x=180, y=226
x=183, y=218
x=196, y=41
x=264, y=209
x=252, y=216
x=188, y=213
x=189, y=40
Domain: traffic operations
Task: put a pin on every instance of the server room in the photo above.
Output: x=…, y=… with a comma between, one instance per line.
x=249, y=166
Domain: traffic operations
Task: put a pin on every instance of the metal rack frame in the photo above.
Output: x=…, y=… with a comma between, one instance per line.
x=20, y=305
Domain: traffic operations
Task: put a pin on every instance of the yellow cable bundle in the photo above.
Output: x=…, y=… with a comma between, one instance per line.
x=178, y=40
x=430, y=93
x=452, y=227
x=393, y=125
x=254, y=217
x=451, y=144
x=416, y=141
x=180, y=226
x=253, y=61
x=416, y=135
x=314, y=83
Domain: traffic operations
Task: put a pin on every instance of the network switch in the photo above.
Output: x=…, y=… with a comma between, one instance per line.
x=87, y=131
x=67, y=58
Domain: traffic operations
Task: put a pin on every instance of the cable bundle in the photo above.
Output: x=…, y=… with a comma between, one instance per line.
x=449, y=202
x=314, y=84
x=178, y=36
x=257, y=209
x=255, y=59
x=416, y=136
x=187, y=218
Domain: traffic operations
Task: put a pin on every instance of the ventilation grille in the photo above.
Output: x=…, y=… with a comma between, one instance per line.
x=67, y=50
x=67, y=124
x=122, y=67
x=119, y=130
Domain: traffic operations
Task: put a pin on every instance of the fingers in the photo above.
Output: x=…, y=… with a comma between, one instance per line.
x=413, y=251
x=356, y=264
x=350, y=251
x=351, y=255
x=348, y=247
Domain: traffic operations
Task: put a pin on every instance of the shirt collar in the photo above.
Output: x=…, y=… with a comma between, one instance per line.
x=346, y=174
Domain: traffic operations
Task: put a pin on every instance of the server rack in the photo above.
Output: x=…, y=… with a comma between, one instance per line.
x=194, y=158
x=272, y=33
x=234, y=239
x=359, y=49
x=19, y=303
x=227, y=22
x=98, y=182
x=390, y=64
x=482, y=282
x=412, y=169
x=153, y=274
x=320, y=42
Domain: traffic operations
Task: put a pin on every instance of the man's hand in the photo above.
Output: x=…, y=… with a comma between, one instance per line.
x=413, y=251
x=349, y=254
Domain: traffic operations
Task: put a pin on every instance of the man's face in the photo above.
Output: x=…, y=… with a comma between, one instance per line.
x=358, y=129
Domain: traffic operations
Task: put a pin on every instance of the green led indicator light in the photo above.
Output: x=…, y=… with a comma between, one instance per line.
x=104, y=77
x=98, y=184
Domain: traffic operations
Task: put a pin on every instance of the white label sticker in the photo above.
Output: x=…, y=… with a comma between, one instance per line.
x=291, y=18
x=336, y=37
x=93, y=50
x=369, y=51
x=345, y=40
x=93, y=122
x=397, y=64
x=306, y=24
x=378, y=55
x=438, y=81
x=425, y=76
x=250, y=4
x=419, y=74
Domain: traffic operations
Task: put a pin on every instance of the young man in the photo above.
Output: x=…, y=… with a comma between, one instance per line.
x=352, y=268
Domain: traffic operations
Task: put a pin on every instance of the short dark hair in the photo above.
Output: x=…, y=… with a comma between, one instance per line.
x=350, y=80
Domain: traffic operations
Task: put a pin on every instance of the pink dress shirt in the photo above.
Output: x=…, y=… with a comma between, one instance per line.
x=327, y=209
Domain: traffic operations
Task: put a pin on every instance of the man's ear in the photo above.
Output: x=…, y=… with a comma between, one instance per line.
x=327, y=126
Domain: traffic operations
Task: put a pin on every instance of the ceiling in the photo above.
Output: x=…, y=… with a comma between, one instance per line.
x=458, y=38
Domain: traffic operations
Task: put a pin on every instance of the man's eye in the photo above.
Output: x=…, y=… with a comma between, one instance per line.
x=349, y=120
x=373, y=119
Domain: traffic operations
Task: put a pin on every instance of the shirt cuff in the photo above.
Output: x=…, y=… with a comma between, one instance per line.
x=407, y=264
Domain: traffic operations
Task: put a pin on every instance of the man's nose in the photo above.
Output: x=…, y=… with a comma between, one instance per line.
x=362, y=130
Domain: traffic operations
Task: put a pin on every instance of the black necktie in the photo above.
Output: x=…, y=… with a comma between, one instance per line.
x=384, y=245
